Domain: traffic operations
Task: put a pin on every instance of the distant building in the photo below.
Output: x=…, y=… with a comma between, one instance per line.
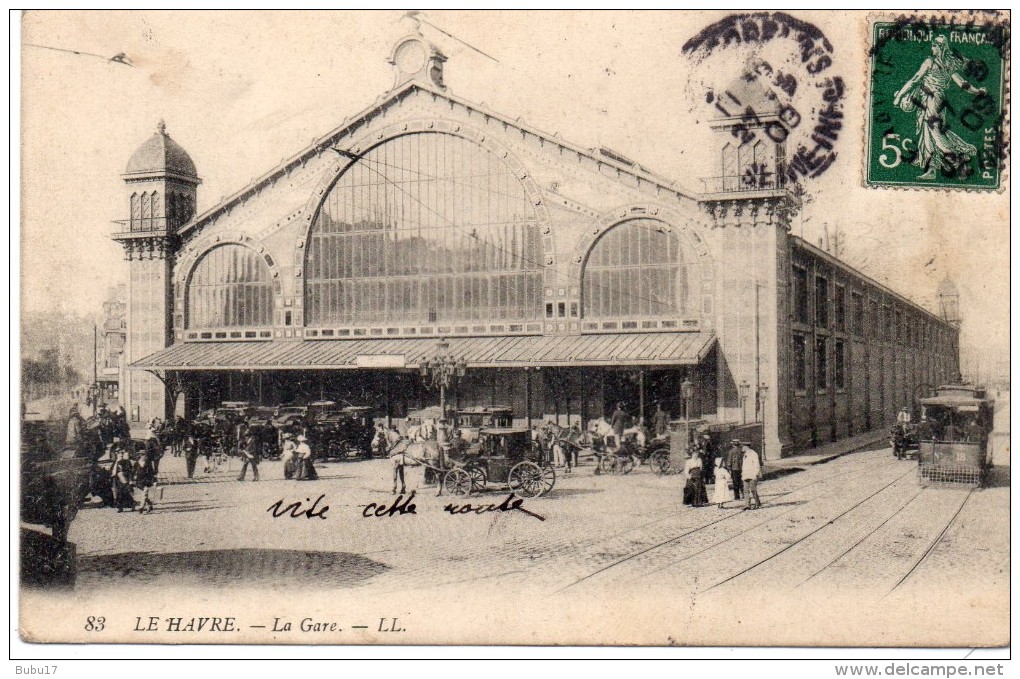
x=567, y=278
x=112, y=338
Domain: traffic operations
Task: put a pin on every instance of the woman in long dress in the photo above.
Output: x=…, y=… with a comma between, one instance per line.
x=303, y=454
x=722, y=491
x=938, y=148
x=123, y=474
x=695, y=493
x=288, y=456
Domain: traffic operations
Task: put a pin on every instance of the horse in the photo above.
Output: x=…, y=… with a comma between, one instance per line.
x=601, y=428
x=405, y=452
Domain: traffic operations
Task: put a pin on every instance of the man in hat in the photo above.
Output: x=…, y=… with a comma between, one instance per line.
x=251, y=454
x=660, y=421
x=75, y=433
x=735, y=463
x=619, y=421
x=751, y=469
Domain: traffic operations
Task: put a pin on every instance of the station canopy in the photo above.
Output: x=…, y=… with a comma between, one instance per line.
x=683, y=348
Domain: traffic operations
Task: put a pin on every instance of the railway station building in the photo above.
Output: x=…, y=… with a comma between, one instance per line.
x=566, y=279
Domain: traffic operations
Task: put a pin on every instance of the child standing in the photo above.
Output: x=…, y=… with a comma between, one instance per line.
x=723, y=490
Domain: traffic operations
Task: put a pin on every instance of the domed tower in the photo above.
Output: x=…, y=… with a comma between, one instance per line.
x=949, y=301
x=161, y=187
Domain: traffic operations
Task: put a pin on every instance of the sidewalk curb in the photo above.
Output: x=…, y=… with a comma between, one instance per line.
x=785, y=470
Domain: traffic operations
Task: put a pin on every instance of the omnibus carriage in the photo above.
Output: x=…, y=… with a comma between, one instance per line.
x=953, y=435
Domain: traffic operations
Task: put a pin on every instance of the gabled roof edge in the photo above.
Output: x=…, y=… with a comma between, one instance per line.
x=360, y=118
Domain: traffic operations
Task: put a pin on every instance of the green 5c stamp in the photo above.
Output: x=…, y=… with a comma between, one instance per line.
x=936, y=104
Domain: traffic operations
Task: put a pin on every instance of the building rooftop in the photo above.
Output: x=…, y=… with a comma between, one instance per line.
x=160, y=154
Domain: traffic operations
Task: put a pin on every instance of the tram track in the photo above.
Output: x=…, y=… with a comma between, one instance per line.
x=862, y=540
x=934, y=543
x=777, y=495
x=809, y=535
x=710, y=524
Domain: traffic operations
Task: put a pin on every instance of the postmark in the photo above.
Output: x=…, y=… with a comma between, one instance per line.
x=777, y=77
x=936, y=107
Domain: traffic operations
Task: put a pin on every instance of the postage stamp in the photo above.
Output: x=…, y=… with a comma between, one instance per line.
x=936, y=107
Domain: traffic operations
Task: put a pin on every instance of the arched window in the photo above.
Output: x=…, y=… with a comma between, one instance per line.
x=136, y=212
x=146, y=212
x=172, y=211
x=635, y=269
x=154, y=202
x=230, y=286
x=424, y=228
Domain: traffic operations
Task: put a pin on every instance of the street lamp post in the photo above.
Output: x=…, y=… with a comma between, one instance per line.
x=441, y=371
x=744, y=389
x=762, y=392
x=687, y=391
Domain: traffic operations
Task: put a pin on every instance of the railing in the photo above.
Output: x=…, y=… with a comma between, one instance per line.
x=749, y=181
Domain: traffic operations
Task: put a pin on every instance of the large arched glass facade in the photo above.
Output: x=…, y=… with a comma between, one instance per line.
x=635, y=269
x=424, y=228
x=230, y=286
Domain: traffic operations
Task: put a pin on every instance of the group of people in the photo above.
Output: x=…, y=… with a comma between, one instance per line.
x=945, y=428
x=736, y=472
x=297, y=458
x=129, y=475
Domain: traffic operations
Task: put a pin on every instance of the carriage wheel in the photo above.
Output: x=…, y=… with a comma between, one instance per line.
x=457, y=482
x=478, y=480
x=341, y=451
x=624, y=464
x=547, y=479
x=660, y=462
x=527, y=479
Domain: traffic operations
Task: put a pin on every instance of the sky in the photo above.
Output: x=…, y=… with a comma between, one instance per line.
x=242, y=91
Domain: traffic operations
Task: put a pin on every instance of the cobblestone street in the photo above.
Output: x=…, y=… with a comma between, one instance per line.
x=857, y=529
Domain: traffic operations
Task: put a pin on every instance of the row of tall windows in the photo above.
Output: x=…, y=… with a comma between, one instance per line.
x=840, y=357
x=892, y=323
x=147, y=211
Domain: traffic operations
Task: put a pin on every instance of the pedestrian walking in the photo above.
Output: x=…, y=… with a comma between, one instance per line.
x=288, y=456
x=722, y=491
x=251, y=454
x=145, y=481
x=73, y=442
x=154, y=449
x=122, y=472
x=735, y=462
x=751, y=469
x=305, y=470
x=192, y=448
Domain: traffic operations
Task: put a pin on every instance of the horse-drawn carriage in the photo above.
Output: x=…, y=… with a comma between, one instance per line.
x=260, y=423
x=471, y=420
x=953, y=435
x=337, y=432
x=53, y=485
x=501, y=455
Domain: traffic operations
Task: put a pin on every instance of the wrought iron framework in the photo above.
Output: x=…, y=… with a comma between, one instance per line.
x=426, y=227
x=635, y=269
x=230, y=286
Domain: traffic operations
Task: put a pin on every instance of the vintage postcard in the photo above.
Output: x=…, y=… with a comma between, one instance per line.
x=544, y=328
